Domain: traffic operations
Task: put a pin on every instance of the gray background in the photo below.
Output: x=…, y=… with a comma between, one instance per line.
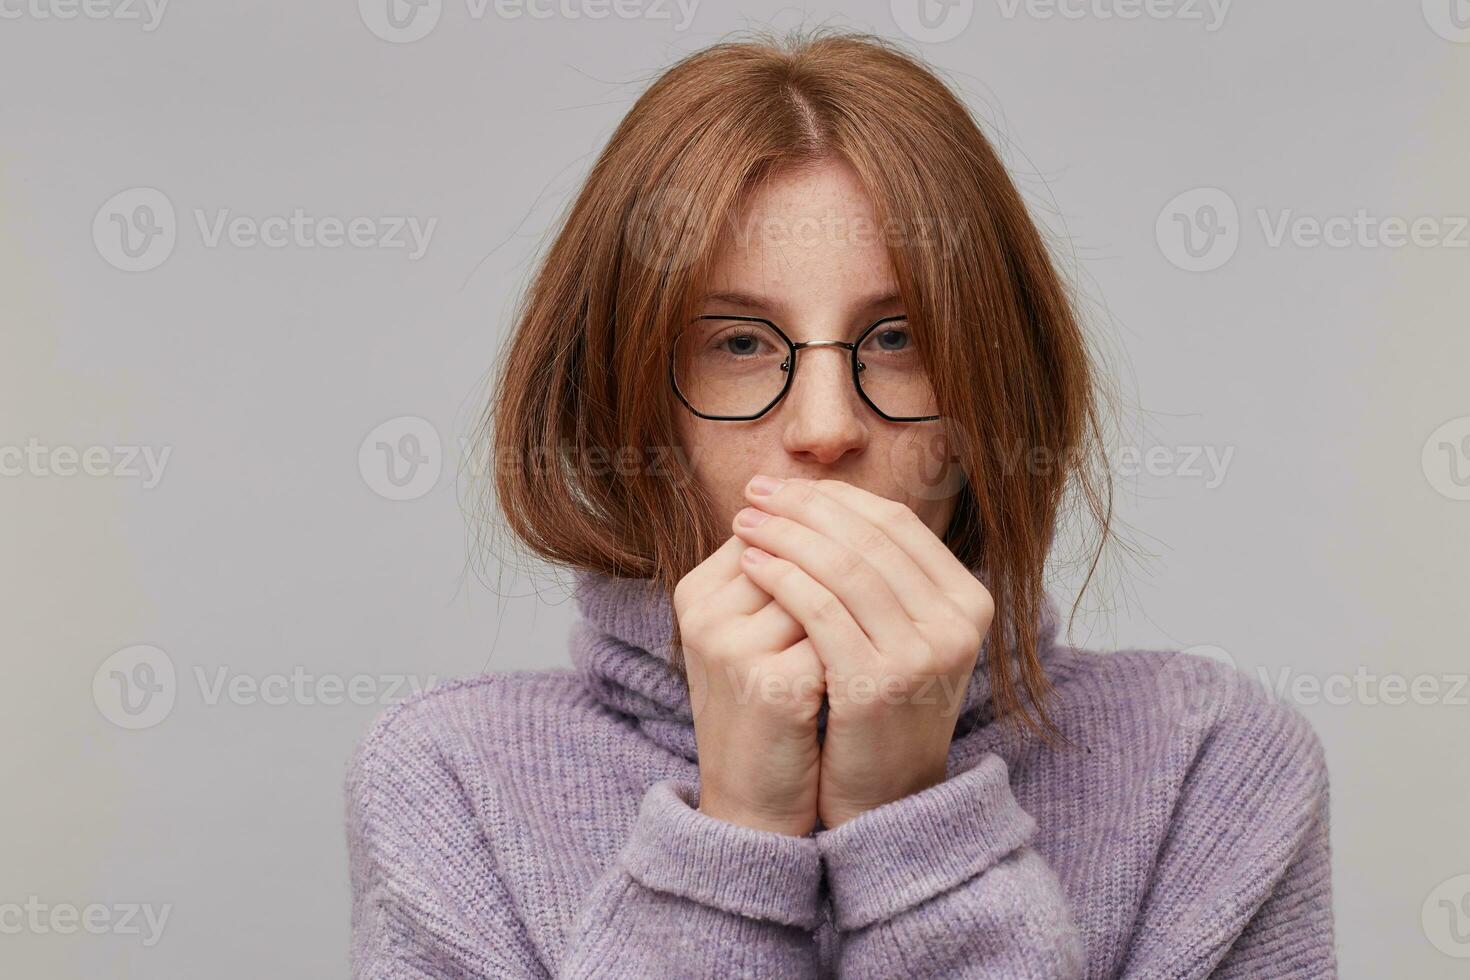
x=1334, y=545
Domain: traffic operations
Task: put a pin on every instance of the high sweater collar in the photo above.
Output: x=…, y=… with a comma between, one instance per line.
x=622, y=650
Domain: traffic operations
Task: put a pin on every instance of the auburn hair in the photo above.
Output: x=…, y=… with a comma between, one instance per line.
x=586, y=463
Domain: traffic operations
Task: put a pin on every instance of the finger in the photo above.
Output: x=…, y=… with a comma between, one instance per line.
x=843, y=572
x=838, y=639
x=914, y=537
x=740, y=596
x=772, y=628
x=718, y=570
x=807, y=502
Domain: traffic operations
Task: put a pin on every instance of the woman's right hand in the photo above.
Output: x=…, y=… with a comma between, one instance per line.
x=755, y=686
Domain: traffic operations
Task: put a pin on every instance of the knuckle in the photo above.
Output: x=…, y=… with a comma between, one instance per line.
x=961, y=641
x=681, y=591
x=829, y=489
x=896, y=511
x=775, y=569
x=848, y=561
x=719, y=651
x=710, y=625
x=802, y=492
x=871, y=539
x=719, y=645
x=967, y=641
x=828, y=608
x=927, y=657
x=981, y=607
x=694, y=620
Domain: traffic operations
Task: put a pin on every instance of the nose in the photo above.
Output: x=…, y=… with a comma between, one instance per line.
x=822, y=416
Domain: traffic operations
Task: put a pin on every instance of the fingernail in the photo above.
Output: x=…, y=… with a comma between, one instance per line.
x=756, y=555
x=764, y=485
x=750, y=517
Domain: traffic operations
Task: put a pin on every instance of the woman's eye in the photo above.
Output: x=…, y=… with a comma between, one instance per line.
x=742, y=344
x=892, y=340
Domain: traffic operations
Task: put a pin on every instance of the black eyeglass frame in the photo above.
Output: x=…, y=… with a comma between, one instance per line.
x=789, y=367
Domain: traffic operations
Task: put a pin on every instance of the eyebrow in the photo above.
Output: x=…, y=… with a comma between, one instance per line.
x=756, y=302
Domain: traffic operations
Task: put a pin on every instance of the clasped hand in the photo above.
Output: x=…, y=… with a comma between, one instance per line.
x=825, y=591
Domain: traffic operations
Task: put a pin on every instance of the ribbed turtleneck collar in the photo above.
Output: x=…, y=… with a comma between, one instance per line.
x=622, y=649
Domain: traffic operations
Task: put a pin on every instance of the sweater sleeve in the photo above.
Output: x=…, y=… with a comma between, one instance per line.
x=944, y=883
x=686, y=895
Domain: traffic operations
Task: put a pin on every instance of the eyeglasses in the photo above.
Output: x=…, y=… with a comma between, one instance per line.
x=736, y=368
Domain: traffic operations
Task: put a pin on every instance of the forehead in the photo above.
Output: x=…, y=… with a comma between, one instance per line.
x=804, y=240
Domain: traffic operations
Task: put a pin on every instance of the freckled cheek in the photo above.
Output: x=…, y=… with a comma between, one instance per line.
x=699, y=446
x=722, y=459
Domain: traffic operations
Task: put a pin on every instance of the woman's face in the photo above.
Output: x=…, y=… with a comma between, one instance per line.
x=806, y=254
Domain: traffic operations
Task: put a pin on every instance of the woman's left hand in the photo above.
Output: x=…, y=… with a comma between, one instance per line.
x=895, y=618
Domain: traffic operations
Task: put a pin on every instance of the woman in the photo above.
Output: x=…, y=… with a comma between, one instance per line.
x=796, y=393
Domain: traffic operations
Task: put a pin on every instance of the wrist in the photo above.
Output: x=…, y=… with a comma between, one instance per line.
x=837, y=811
x=793, y=825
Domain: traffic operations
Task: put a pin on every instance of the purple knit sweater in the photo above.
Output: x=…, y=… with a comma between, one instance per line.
x=545, y=824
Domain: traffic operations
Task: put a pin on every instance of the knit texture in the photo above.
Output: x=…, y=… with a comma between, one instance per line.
x=546, y=824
